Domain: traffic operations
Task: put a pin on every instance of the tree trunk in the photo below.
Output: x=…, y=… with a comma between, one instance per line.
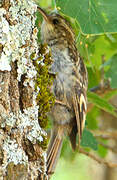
x=21, y=154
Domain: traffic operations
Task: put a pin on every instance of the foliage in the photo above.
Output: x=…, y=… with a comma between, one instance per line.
x=101, y=103
x=94, y=17
x=88, y=140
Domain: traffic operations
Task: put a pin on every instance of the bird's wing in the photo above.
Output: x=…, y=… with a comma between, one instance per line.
x=80, y=108
x=79, y=96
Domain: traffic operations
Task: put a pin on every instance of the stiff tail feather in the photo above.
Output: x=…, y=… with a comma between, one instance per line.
x=54, y=149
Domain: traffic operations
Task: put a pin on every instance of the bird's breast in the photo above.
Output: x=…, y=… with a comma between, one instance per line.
x=64, y=81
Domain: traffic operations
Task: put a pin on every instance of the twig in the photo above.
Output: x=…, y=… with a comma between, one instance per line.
x=101, y=89
x=105, y=134
x=100, y=161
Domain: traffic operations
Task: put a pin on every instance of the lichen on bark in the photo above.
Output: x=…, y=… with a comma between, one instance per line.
x=21, y=154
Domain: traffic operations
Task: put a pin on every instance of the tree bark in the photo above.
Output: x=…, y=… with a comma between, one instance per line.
x=21, y=153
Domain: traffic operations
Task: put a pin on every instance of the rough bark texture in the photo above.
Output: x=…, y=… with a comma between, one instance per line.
x=21, y=156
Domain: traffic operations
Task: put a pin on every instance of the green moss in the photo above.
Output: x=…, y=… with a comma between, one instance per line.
x=44, y=80
x=43, y=143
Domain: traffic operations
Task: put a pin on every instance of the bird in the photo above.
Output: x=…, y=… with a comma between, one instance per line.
x=69, y=87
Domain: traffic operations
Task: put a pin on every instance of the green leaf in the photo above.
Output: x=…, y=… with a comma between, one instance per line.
x=102, y=151
x=45, y=3
x=101, y=103
x=88, y=140
x=94, y=78
x=94, y=17
x=110, y=94
x=91, y=120
x=112, y=71
x=103, y=46
x=93, y=48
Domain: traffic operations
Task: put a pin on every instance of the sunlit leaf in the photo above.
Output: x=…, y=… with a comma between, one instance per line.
x=102, y=151
x=102, y=103
x=91, y=120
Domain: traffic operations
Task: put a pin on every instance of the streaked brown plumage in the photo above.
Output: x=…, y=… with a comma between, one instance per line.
x=69, y=87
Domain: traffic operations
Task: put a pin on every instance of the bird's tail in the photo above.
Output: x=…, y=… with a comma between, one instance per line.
x=54, y=149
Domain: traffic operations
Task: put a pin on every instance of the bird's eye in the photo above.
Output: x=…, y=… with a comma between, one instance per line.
x=55, y=21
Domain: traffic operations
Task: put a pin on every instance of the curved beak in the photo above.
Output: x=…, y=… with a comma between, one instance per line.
x=44, y=14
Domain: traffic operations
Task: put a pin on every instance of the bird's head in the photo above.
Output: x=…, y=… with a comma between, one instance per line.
x=55, y=28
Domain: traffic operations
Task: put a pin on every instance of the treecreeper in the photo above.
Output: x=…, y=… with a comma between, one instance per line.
x=69, y=86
